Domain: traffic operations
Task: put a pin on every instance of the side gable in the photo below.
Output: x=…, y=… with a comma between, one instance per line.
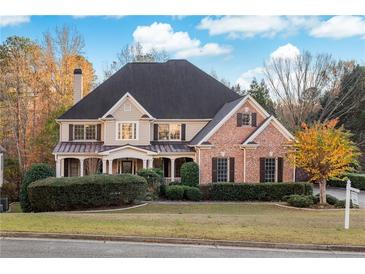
x=226, y=113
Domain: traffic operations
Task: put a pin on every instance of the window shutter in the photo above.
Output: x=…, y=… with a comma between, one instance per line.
x=239, y=119
x=262, y=170
x=254, y=119
x=155, y=132
x=70, y=132
x=183, y=130
x=214, y=169
x=98, y=132
x=280, y=169
x=231, y=169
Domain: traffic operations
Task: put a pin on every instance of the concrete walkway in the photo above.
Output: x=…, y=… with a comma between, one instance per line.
x=340, y=193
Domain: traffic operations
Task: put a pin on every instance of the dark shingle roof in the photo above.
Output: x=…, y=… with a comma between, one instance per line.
x=175, y=89
x=217, y=118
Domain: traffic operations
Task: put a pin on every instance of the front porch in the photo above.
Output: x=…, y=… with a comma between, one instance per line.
x=127, y=159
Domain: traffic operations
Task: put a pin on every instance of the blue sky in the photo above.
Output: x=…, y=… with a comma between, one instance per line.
x=235, y=47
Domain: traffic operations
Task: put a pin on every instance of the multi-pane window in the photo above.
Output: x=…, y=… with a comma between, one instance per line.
x=222, y=170
x=84, y=132
x=246, y=119
x=127, y=131
x=79, y=132
x=90, y=132
x=270, y=169
x=169, y=132
x=163, y=131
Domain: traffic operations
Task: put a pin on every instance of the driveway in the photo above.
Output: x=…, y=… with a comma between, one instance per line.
x=41, y=248
x=340, y=193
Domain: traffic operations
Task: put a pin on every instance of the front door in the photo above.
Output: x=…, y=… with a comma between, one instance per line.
x=127, y=167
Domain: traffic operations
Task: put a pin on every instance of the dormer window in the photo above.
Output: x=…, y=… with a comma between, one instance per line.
x=127, y=106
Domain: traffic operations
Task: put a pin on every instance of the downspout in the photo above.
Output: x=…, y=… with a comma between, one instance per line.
x=244, y=165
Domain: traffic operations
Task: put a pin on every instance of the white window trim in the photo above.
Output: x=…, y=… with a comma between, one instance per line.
x=84, y=139
x=169, y=124
x=126, y=122
x=250, y=122
x=228, y=170
x=276, y=168
x=127, y=106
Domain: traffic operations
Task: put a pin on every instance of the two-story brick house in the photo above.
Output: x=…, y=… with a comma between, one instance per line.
x=165, y=114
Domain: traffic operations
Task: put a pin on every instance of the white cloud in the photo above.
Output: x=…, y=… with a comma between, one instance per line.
x=338, y=27
x=161, y=36
x=249, y=26
x=246, y=78
x=13, y=20
x=287, y=51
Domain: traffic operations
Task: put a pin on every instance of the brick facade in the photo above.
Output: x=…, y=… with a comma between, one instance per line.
x=226, y=143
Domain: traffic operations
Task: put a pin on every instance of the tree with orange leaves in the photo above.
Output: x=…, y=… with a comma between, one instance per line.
x=323, y=151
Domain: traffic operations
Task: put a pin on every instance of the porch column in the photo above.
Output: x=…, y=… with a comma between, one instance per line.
x=144, y=163
x=150, y=163
x=110, y=167
x=172, y=160
x=104, y=166
x=62, y=166
x=58, y=168
x=81, y=167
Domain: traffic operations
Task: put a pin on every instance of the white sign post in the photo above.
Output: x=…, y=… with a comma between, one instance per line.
x=349, y=191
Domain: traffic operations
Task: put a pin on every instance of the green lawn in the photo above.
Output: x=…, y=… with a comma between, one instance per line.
x=234, y=221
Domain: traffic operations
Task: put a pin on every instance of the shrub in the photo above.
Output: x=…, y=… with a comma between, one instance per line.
x=357, y=181
x=329, y=198
x=159, y=171
x=53, y=194
x=193, y=194
x=342, y=204
x=153, y=179
x=190, y=174
x=36, y=172
x=175, y=192
x=253, y=192
x=300, y=200
x=10, y=191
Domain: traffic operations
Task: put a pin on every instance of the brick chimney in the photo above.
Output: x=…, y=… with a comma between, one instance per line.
x=78, y=90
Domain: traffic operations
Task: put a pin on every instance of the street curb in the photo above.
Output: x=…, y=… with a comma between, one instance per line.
x=348, y=248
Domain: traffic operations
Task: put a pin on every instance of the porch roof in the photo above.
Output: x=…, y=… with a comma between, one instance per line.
x=97, y=147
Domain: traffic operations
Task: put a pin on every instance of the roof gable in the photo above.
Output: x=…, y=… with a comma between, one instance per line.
x=223, y=115
x=175, y=89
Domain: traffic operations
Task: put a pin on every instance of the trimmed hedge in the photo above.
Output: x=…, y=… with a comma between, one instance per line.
x=35, y=173
x=253, y=192
x=175, y=192
x=68, y=193
x=190, y=174
x=331, y=200
x=300, y=200
x=193, y=194
x=357, y=181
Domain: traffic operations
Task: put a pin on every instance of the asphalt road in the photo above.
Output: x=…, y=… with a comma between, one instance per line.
x=41, y=248
x=340, y=193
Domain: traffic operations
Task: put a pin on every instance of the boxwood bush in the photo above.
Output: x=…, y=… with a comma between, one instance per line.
x=331, y=200
x=175, y=192
x=253, y=192
x=154, y=180
x=68, y=193
x=300, y=200
x=193, y=194
x=36, y=172
x=190, y=174
x=357, y=181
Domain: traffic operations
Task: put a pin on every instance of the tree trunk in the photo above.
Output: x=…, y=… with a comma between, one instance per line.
x=322, y=192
